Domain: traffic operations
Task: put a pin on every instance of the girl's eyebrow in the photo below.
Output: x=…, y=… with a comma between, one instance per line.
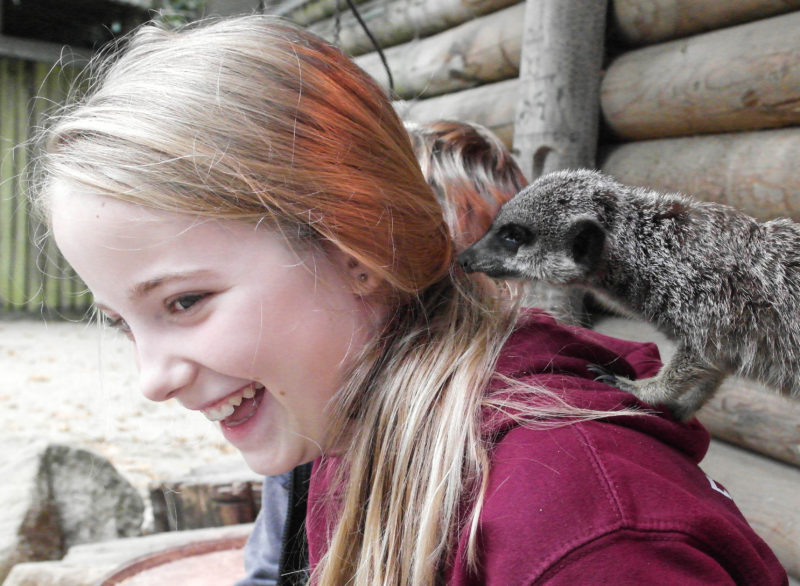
x=142, y=289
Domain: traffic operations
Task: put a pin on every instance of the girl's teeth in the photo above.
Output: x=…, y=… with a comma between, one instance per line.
x=219, y=413
x=226, y=410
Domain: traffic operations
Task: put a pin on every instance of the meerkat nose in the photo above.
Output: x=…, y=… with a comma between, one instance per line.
x=467, y=260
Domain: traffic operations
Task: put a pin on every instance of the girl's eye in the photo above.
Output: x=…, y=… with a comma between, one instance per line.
x=117, y=323
x=185, y=302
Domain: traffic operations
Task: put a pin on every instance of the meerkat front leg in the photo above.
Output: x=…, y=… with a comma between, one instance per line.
x=683, y=385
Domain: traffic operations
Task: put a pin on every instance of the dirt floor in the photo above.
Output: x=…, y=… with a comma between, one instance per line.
x=76, y=383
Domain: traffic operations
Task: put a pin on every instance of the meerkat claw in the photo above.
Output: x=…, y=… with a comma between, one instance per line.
x=603, y=375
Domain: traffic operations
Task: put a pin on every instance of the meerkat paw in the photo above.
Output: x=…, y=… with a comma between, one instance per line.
x=605, y=376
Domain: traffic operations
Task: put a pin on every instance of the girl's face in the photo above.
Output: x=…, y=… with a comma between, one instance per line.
x=225, y=318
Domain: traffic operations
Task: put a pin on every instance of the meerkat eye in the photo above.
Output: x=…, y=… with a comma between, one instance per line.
x=515, y=235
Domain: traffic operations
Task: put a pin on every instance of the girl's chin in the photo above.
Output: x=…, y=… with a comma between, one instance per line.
x=270, y=464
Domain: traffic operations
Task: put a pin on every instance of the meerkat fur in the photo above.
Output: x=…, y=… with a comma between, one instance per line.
x=724, y=286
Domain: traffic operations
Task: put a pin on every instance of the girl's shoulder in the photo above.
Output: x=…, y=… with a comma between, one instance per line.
x=613, y=500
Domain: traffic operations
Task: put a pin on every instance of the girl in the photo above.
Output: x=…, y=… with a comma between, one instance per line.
x=245, y=205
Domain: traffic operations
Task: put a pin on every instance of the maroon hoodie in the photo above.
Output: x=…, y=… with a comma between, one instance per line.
x=617, y=501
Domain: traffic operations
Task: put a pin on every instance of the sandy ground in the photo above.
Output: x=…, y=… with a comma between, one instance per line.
x=76, y=383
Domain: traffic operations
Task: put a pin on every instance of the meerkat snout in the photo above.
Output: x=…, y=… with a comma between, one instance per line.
x=487, y=254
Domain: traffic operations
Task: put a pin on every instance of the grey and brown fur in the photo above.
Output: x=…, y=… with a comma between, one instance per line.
x=723, y=285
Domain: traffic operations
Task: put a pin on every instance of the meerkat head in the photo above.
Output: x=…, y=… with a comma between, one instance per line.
x=555, y=230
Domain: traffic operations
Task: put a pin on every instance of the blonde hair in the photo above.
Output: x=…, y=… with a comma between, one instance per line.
x=253, y=119
x=470, y=170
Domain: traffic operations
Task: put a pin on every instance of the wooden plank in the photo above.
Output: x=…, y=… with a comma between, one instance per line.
x=742, y=78
x=766, y=492
x=753, y=171
x=392, y=22
x=644, y=22
x=491, y=105
x=483, y=50
x=556, y=124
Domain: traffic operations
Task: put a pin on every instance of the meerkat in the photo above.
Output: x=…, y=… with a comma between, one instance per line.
x=721, y=284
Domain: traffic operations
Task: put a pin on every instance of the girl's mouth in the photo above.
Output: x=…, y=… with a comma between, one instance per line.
x=237, y=408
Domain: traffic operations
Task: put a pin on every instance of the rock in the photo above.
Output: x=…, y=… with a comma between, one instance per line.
x=56, y=496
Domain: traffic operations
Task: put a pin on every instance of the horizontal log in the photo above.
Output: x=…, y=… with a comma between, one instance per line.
x=750, y=415
x=392, y=22
x=483, y=50
x=644, y=22
x=491, y=105
x=306, y=12
x=766, y=492
x=742, y=412
x=742, y=78
x=753, y=171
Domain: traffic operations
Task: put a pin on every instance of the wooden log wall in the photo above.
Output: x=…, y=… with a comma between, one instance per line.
x=701, y=97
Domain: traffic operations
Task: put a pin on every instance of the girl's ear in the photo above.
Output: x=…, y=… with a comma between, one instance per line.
x=362, y=279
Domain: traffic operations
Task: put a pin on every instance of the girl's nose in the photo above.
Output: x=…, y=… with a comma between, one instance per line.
x=163, y=375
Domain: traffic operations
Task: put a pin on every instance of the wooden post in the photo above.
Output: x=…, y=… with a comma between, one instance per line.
x=557, y=118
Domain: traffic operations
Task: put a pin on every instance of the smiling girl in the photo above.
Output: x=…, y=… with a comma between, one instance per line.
x=245, y=205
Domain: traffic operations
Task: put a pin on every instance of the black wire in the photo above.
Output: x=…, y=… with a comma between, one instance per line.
x=374, y=43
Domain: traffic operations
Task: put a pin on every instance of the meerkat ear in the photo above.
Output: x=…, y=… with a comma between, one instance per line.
x=586, y=239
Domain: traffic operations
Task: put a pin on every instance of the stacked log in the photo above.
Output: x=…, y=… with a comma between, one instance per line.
x=492, y=105
x=306, y=12
x=742, y=78
x=644, y=22
x=477, y=52
x=753, y=171
x=399, y=21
